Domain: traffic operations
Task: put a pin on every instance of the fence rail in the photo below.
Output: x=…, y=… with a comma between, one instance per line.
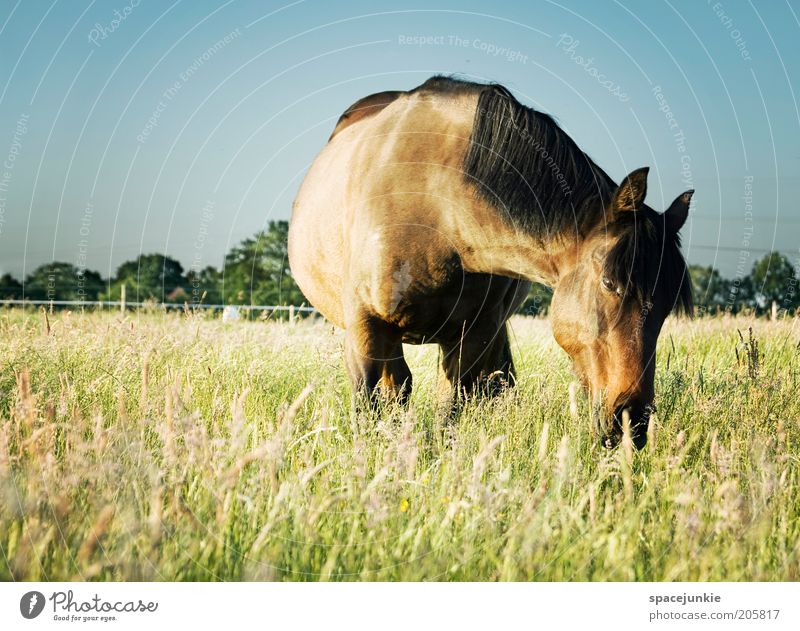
x=165, y=305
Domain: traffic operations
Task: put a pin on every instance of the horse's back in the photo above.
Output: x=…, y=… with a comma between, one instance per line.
x=364, y=108
x=319, y=243
x=372, y=221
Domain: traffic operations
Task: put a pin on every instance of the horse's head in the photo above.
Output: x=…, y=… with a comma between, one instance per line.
x=608, y=309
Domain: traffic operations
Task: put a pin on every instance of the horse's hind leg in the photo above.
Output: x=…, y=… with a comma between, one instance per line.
x=479, y=362
x=375, y=363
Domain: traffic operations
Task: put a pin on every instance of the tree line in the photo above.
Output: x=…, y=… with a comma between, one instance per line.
x=772, y=279
x=256, y=272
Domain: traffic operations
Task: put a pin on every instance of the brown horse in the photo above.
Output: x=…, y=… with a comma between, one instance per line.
x=427, y=214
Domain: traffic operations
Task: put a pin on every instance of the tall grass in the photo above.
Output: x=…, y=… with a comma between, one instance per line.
x=175, y=448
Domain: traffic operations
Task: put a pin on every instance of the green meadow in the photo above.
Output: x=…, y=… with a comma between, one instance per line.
x=172, y=447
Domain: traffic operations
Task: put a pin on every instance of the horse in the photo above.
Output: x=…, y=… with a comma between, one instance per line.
x=428, y=214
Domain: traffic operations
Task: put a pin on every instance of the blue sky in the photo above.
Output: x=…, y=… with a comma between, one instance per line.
x=184, y=126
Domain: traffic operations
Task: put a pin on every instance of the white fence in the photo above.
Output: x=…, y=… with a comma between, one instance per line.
x=123, y=305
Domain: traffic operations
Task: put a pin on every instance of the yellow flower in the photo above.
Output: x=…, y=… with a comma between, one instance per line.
x=403, y=505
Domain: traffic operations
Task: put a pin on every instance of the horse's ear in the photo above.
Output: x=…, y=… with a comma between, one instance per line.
x=630, y=194
x=675, y=216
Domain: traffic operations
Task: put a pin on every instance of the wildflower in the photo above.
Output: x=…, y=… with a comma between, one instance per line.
x=404, y=505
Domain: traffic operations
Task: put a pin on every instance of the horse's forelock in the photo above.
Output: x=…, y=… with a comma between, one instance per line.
x=645, y=258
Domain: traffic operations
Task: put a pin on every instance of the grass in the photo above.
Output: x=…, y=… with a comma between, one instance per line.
x=160, y=447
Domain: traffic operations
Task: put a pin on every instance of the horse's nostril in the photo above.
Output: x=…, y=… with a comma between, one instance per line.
x=612, y=433
x=638, y=420
x=610, y=441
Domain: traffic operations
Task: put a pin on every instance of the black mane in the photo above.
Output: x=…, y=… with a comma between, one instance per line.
x=525, y=165
x=522, y=163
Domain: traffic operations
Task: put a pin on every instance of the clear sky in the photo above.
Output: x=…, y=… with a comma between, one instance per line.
x=131, y=126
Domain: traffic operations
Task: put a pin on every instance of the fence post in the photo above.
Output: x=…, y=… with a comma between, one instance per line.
x=291, y=315
x=122, y=298
x=774, y=313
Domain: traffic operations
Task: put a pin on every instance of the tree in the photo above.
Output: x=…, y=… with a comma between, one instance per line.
x=741, y=294
x=775, y=280
x=10, y=288
x=63, y=281
x=151, y=277
x=205, y=286
x=257, y=270
x=712, y=292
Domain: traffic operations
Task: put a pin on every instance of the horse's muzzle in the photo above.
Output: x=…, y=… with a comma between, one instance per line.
x=610, y=429
x=639, y=418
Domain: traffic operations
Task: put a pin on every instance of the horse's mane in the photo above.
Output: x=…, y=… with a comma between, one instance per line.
x=523, y=164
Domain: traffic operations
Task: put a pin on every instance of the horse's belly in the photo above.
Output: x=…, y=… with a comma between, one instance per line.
x=316, y=252
x=443, y=314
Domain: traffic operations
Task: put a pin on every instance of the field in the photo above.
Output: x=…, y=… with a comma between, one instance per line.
x=173, y=447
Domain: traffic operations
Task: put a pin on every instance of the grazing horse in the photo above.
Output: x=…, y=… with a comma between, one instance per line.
x=429, y=212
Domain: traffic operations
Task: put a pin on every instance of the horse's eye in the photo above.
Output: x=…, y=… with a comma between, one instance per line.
x=608, y=283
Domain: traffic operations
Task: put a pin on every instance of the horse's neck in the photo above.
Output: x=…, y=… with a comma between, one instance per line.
x=490, y=245
x=485, y=241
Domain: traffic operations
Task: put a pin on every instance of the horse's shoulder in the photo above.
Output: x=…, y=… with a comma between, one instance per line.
x=364, y=108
